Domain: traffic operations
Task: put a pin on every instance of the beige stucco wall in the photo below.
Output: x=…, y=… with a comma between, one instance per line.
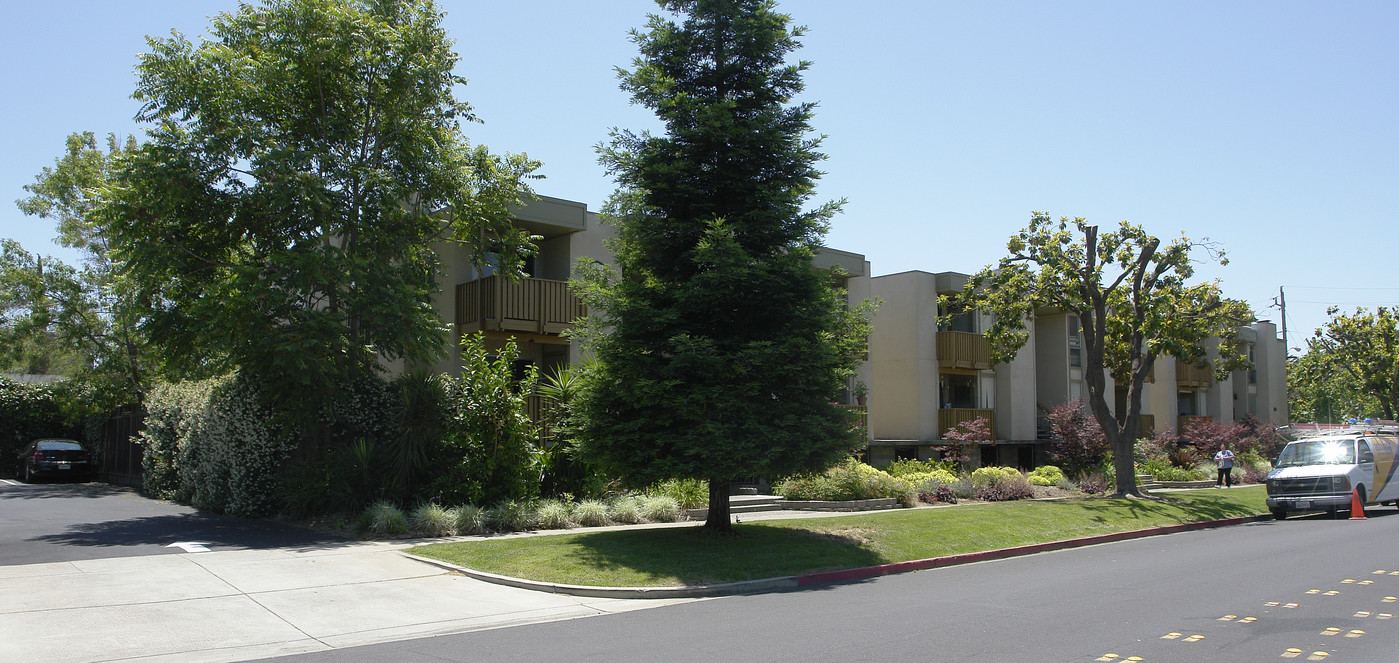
x=903, y=358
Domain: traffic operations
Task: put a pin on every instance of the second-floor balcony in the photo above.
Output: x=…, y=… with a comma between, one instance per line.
x=1188, y=376
x=963, y=350
x=537, y=306
x=949, y=418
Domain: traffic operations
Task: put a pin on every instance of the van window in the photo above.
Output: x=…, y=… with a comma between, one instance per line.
x=1318, y=452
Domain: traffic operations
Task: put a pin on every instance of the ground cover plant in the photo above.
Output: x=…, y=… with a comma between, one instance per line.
x=768, y=549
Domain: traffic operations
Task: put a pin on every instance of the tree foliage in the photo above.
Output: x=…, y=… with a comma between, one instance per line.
x=1351, y=360
x=69, y=319
x=724, y=348
x=1130, y=293
x=302, y=159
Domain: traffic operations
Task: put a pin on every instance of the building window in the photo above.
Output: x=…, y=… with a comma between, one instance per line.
x=956, y=318
x=958, y=391
x=1075, y=341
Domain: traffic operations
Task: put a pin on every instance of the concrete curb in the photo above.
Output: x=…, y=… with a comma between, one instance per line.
x=828, y=577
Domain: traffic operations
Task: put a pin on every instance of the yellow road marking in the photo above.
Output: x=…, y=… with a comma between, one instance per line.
x=1379, y=572
x=1248, y=620
x=1390, y=599
x=1331, y=631
x=1331, y=593
x=1355, y=634
x=1107, y=657
x=1170, y=636
x=1313, y=591
x=1227, y=618
x=1194, y=638
x=1347, y=581
x=1367, y=582
x=1318, y=656
x=1292, y=653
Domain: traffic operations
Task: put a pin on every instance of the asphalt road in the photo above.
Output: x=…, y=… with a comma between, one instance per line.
x=63, y=522
x=1304, y=589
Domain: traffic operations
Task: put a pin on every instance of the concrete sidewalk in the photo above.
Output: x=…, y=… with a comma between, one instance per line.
x=247, y=604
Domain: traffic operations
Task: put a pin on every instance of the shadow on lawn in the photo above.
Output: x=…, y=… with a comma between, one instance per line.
x=695, y=557
x=1196, y=507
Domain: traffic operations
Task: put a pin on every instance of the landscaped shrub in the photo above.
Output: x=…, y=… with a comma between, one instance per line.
x=625, y=510
x=1095, y=484
x=689, y=493
x=938, y=494
x=433, y=520
x=990, y=476
x=383, y=518
x=512, y=516
x=660, y=508
x=488, y=437
x=470, y=519
x=850, y=480
x=928, y=481
x=554, y=514
x=1006, y=489
x=590, y=513
x=213, y=444
x=1079, y=444
x=1045, y=475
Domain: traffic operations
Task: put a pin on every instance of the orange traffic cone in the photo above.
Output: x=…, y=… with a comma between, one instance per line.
x=1357, y=510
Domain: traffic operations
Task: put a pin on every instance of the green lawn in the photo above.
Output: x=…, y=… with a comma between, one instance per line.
x=776, y=548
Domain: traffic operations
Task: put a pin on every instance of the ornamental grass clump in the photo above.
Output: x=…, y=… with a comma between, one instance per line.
x=590, y=513
x=512, y=516
x=383, y=518
x=625, y=510
x=554, y=514
x=660, y=508
x=470, y=519
x=850, y=480
x=433, y=519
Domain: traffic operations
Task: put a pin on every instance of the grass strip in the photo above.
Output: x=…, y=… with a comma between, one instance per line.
x=775, y=548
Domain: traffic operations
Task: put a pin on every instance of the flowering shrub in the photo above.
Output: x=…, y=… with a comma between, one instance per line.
x=212, y=444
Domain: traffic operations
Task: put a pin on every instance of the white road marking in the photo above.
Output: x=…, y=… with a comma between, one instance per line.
x=189, y=546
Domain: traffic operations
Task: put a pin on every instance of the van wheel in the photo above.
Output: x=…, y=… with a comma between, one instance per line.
x=1279, y=514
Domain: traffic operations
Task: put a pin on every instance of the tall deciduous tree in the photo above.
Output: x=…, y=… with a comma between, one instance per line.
x=58, y=309
x=1364, y=347
x=1130, y=294
x=303, y=159
x=724, y=348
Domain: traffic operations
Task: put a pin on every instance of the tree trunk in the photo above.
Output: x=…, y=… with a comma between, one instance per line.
x=719, y=518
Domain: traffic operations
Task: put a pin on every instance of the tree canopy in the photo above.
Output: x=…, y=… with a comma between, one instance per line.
x=1361, y=351
x=1130, y=293
x=302, y=160
x=71, y=319
x=722, y=348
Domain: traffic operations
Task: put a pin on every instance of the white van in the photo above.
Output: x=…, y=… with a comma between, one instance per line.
x=1321, y=473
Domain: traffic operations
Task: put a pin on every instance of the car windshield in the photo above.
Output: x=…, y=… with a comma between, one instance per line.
x=1318, y=452
x=58, y=445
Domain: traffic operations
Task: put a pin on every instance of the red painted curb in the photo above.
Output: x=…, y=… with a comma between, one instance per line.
x=866, y=572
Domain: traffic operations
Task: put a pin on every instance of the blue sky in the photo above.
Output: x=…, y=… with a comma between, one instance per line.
x=1267, y=126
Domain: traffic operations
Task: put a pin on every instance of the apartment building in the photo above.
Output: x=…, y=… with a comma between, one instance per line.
x=930, y=370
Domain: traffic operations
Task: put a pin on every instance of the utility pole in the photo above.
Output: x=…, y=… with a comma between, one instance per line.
x=1282, y=304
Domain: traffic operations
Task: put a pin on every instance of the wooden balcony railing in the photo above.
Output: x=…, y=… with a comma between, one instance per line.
x=1191, y=376
x=538, y=306
x=948, y=418
x=1146, y=423
x=963, y=350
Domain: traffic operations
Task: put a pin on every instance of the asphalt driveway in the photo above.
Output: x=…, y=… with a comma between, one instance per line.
x=61, y=522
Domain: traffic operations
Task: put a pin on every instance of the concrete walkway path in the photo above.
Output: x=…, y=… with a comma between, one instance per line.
x=247, y=604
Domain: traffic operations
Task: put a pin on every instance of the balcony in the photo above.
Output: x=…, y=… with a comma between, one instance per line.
x=537, y=306
x=948, y=418
x=1191, y=377
x=963, y=350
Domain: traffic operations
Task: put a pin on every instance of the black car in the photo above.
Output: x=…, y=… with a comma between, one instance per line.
x=54, y=458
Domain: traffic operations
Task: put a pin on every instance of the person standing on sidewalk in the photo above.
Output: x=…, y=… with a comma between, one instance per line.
x=1225, y=461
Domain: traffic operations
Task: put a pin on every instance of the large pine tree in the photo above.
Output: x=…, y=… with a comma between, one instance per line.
x=723, y=349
